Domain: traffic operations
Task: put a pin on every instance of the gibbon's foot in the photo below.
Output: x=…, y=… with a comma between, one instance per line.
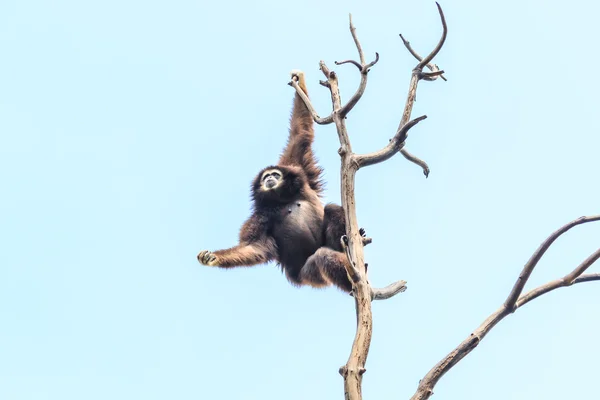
x=366, y=240
x=205, y=257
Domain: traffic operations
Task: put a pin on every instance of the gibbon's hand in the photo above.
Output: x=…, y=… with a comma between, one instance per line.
x=298, y=75
x=205, y=257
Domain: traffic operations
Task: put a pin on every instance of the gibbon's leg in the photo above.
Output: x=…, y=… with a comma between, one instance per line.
x=239, y=256
x=329, y=265
x=334, y=226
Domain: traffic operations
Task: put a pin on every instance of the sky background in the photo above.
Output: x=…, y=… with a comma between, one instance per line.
x=130, y=132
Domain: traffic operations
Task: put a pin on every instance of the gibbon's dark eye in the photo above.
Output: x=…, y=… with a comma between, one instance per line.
x=276, y=175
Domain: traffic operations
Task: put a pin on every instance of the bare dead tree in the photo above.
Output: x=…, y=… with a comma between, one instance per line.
x=353, y=242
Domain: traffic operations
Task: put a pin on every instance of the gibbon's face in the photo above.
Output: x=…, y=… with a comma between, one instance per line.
x=271, y=179
x=277, y=184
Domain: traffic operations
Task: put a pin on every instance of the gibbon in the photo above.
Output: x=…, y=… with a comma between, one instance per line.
x=289, y=224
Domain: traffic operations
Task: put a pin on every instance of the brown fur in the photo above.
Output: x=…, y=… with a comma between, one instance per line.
x=298, y=150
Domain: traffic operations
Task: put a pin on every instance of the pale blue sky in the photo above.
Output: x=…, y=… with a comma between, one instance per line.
x=130, y=132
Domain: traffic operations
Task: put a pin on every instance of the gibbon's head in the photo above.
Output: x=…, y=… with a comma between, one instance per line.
x=270, y=179
x=277, y=184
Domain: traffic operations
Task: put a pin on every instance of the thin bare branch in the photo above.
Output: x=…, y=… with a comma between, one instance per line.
x=324, y=69
x=437, y=49
x=431, y=76
x=362, y=67
x=587, y=278
x=361, y=88
x=416, y=160
x=426, y=385
x=364, y=160
x=535, y=258
x=369, y=65
x=361, y=55
x=355, y=63
x=388, y=291
x=568, y=280
x=432, y=67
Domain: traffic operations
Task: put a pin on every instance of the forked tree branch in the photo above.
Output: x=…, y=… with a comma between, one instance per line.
x=432, y=67
x=426, y=385
x=353, y=242
x=509, y=304
x=364, y=71
x=391, y=149
x=418, y=75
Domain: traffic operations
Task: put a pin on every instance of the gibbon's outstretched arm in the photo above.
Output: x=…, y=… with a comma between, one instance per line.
x=298, y=150
x=256, y=247
x=238, y=256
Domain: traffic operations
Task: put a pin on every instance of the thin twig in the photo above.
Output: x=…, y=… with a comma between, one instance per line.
x=361, y=55
x=364, y=160
x=355, y=63
x=416, y=160
x=361, y=87
x=587, y=278
x=388, y=291
x=362, y=67
x=369, y=65
x=568, y=280
x=432, y=67
x=535, y=258
x=437, y=49
x=431, y=76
